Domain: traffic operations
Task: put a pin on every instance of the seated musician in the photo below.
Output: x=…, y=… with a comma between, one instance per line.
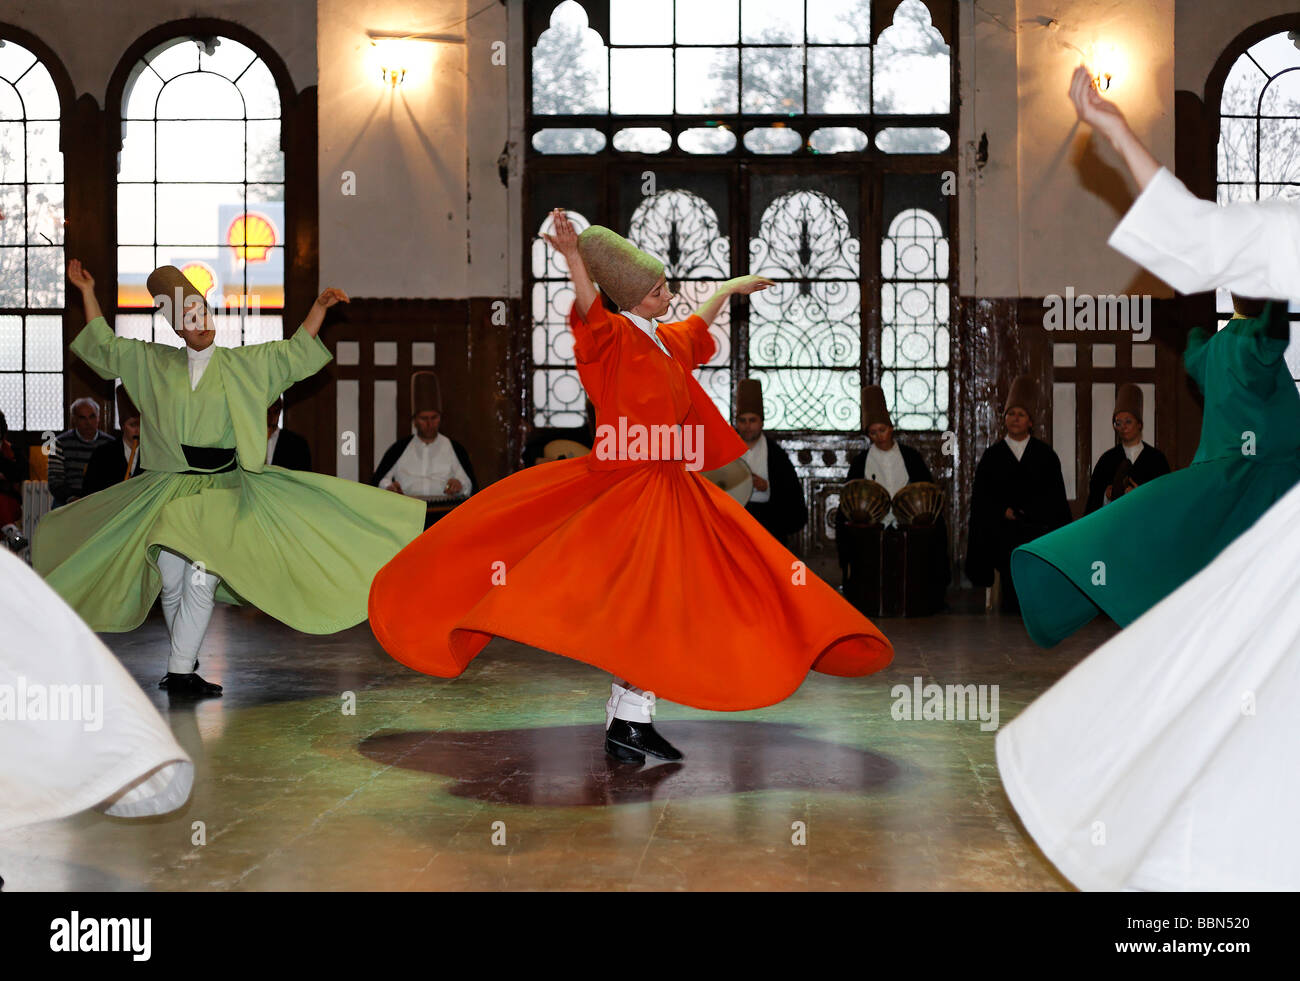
x=426, y=464
x=777, y=502
x=284, y=447
x=894, y=465
x=1132, y=460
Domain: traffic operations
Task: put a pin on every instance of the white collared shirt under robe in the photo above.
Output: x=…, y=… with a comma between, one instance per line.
x=423, y=469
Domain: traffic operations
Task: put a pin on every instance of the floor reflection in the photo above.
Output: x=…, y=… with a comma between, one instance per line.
x=566, y=766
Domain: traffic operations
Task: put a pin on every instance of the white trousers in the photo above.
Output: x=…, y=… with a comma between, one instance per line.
x=628, y=702
x=188, y=592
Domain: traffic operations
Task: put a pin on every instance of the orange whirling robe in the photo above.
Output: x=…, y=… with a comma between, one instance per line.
x=640, y=567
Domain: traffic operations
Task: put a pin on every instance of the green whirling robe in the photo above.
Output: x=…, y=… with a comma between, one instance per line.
x=1123, y=559
x=302, y=547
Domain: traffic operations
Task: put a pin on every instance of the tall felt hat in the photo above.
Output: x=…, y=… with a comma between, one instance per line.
x=1128, y=398
x=621, y=269
x=874, y=408
x=425, y=396
x=749, y=397
x=1023, y=394
x=170, y=283
x=125, y=407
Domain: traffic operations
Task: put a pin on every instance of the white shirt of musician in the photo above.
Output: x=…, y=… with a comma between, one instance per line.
x=648, y=328
x=198, y=363
x=756, y=458
x=1133, y=452
x=889, y=469
x=270, y=445
x=423, y=469
x=1017, y=446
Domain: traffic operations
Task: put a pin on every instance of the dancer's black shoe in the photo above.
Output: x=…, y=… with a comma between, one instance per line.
x=163, y=682
x=189, y=685
x=622, y=754
x=641, y=737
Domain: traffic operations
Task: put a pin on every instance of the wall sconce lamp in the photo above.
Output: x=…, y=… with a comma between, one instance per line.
x=1105, y=61
x=395, y=53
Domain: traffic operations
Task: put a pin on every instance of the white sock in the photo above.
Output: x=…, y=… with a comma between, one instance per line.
x=188, y=596
x=629, y=703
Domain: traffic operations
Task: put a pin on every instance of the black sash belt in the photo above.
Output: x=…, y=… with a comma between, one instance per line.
x=209, y=459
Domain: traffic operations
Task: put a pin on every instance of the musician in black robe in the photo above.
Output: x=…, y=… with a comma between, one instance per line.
x=1131, y=461
x=894, y=465
x=1018, y=495
x=284, y=447
x=777, y=501
x=119, y=460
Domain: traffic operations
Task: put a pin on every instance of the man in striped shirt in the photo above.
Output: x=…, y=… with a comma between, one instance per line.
x=72, y=451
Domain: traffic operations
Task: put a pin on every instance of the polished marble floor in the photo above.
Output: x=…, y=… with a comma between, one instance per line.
x=496, y=780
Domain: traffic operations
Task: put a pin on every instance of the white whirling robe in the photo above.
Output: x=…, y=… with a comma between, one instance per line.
x=1166, y=759
x=119, y=756
x=1250, y=247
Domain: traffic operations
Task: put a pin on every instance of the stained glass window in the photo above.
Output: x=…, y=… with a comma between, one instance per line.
x=201, y=187
x=31, y=244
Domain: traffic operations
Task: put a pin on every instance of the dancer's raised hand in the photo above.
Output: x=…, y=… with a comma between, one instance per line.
x=332, y=296
x=1091, y=107
x=1105, y=117
x=79, y=276
x=563, y=237
x=748, y=284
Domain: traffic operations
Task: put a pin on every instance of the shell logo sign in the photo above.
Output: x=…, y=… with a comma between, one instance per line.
x=251, y=236
x=201, y=275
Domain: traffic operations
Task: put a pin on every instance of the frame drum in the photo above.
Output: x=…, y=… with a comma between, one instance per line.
x=735, y=478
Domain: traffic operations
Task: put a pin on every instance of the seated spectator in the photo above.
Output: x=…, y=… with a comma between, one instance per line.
x=72, y=451
x=118, y=460
x=13, y=471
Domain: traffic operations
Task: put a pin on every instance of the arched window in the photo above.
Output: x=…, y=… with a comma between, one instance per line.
x=31, y=243
x=1259, y=140
x=681, y=229
x=201, y=187
x=914, y=307
x=805, y=334
x=558, y=399
x=783, y=122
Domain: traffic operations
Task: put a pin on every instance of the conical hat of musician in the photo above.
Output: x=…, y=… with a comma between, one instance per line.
x=874, y=408
x=1128, y=398
x=749, y=397
x=623, y=271
x=1023, y=394
x=425, y=395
